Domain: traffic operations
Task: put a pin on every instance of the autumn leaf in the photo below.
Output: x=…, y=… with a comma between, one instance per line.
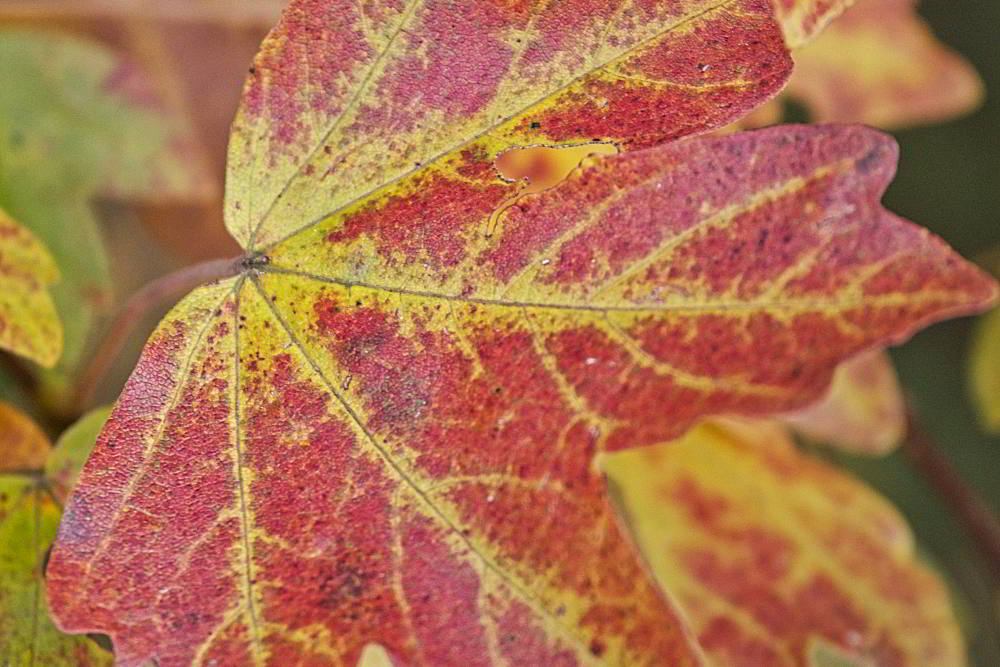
x=29, y=324
x=381, y=431
x=76, y=122
x=776, y=558
x=877, y=64
x=29, y=517
x=863, y=411
x=880, y=64
x=802, y=20
x=985, y=369
x=23, y=444
x=64, y=462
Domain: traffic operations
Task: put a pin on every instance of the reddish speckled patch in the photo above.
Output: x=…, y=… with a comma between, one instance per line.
x=700, y=80
x=347, y=105
x=156, y=499
x=421, y=391
x=456, y=56
x=443, y=594
x=436, y=213
x=291, y=98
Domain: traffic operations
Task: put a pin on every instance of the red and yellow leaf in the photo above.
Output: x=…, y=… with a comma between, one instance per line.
x=382, y=431
x=348, y=100
x=29, y=324
x=23, y=446
x=71, y=451
x=29, y=517
x=333, y=449
x=863, y=411
x=880, y=64
x=778, y=559
x=802, y=20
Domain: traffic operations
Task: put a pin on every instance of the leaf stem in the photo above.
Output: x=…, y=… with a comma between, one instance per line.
x=968, y=506
x=153, y=294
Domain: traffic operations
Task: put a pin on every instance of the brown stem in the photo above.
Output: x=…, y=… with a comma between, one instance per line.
x=966, y=504
x=135, y=310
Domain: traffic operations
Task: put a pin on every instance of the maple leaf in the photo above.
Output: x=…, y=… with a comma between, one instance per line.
x=382, y=431
x=775, y=557
x=29, y=324
x=863, y=411
x=29, y=517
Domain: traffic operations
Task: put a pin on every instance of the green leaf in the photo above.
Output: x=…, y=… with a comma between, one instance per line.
x=29, y=518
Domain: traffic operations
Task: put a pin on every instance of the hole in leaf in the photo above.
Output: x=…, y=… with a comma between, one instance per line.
x=539, y=168
x=543, y=167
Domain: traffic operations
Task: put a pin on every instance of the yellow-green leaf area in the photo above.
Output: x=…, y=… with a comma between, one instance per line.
x=29, y=518
x=985, y=370
x=29, y=325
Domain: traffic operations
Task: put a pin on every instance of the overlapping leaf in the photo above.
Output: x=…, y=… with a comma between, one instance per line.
x=29, y=517
x=863, y=411
x=382, y=431
x=23, y=446
x=776, y=558
x=802, y=20
x=29, y=324
x=880, y=64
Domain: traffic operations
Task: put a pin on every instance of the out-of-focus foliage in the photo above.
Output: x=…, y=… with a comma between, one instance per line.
x=880, y=64
x=863, y=412
x=194, y=54
x=77, y=121
x=773, y=555
x=985, y=370
x=23, y=446
x=984, y=359
x=29, y=324
x=29, y=516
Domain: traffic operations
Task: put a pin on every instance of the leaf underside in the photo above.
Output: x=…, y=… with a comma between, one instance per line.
x=384, y=431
